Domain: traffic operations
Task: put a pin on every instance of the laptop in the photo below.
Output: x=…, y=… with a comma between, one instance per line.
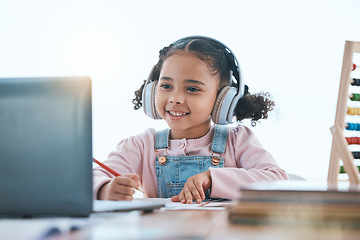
x=45, y=146
x=46, y=150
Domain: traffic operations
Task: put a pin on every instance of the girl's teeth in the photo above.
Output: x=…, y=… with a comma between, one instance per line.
x=177, y=114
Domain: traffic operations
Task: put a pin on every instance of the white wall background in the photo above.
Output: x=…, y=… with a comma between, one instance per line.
x=293, y=49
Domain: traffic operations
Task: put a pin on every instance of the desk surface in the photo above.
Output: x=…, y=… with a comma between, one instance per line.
x=197, y=224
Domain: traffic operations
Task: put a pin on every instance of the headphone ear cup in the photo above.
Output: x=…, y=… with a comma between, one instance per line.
x=217, y=106
x=155, y=112
x=148, y=98
x=220, y=113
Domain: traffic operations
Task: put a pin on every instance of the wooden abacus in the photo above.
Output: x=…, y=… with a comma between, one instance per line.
x=340, y=144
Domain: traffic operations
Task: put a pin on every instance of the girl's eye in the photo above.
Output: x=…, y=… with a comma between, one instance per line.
x=165, y=86
x=193, y=89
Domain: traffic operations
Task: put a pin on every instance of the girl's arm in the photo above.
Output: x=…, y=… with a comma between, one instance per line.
x=245, y=161
x=127, y=160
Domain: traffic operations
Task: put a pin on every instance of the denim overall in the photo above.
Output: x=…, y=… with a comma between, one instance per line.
x=173, y=171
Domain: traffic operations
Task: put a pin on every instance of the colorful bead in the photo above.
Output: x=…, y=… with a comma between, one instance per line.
x=353, y=140
x=353, y=126
x=354, y=67
x=353, y=111
x=355, y=82
x=355, y=97
x=356, y=155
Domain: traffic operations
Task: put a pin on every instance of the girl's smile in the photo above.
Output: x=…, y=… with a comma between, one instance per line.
x=177, y=115
x=185, y=95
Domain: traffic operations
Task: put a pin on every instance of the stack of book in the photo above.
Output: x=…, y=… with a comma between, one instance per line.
x=289, y=202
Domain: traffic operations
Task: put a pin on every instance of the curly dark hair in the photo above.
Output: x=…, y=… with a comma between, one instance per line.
x=220, y=61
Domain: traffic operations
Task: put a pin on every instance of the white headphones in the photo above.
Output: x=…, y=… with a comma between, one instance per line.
x=223, y=110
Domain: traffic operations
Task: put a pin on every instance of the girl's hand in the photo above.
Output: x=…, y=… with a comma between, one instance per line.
x=120, y=188
x=194, y=188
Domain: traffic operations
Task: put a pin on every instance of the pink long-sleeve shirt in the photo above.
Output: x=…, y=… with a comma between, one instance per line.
x=245, y=160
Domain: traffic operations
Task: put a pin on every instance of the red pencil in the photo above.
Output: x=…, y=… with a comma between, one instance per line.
x=113, y=172
x=116, y=174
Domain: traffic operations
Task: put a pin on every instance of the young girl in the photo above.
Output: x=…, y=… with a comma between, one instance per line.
x=196, y=81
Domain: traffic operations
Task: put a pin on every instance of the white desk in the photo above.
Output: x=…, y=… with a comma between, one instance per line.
x=173, y=223
x=197, y=224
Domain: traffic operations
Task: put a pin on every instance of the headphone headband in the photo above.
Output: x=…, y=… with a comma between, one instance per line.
x=237, y=75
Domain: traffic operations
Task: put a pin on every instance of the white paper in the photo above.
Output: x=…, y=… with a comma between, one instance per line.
x=169, y=205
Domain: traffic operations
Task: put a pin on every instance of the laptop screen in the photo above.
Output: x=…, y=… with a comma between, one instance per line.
x=45, y=146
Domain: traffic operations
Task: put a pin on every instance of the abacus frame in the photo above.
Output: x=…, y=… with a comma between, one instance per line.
x=339, y=147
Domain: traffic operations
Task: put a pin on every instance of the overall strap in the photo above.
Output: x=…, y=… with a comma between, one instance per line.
x=220, y=137
x=162, y=139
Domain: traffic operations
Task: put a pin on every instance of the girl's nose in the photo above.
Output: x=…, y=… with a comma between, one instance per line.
x=176, y=99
